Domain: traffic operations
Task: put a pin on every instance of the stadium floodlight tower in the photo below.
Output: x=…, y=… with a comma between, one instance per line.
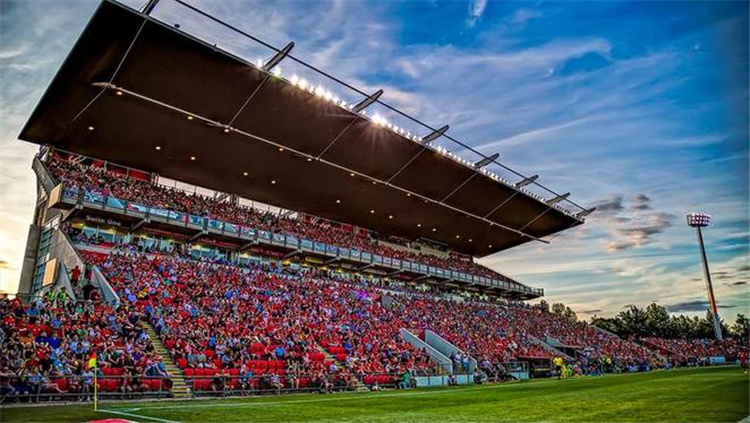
x=698, y=221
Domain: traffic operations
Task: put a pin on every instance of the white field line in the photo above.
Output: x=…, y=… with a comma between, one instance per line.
x=138, y=416
x=347, y=398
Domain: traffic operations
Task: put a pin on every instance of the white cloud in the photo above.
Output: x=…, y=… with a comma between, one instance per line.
x=606, y=133
x=476, y=10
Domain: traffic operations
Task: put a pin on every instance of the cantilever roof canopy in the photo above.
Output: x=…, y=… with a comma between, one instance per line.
x=132, y=83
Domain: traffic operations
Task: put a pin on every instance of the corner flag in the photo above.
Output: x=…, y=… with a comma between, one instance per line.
x=92, y=365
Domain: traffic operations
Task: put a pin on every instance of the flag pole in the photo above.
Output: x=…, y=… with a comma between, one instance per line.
x=96, y=389
x=93, y=364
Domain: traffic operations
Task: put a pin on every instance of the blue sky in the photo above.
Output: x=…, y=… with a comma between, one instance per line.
x=638, y=107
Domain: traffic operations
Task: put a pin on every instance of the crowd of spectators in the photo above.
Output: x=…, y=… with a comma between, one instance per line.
x=95, y=177
x=591, y=343
x=46, y=345
x=199, y=307
x=696, y=351
x=262, y=324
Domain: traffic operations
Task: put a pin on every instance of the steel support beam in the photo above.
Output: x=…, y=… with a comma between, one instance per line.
x=197, y=236
x=527, y=181
x=292, y=254
x=278, y=57
x=150, y=7
x=434, y=135
x=245, y=246
x=362, y=105
x=139, y=224
x=487, y=160
x=557, y=199
x=459, y=187
x=585, y=212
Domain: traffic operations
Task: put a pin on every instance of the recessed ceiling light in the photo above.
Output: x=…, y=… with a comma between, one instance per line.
x=419, y=225
x=372, y=211
x=119, y=93
x=374, y=182
x=338, y=201
x=244, y=173
x=91, y=128
x=390, y=216
x=192, y=157
x=351, y=174
x=490, y=245
x=189, y=117
x=408, y=194
x=281, y=148
x=158, y=147
x=226, y=130
x=434, y=229
x=309, y=159
x=273, y=182
x=458, y=236
x=471, y=240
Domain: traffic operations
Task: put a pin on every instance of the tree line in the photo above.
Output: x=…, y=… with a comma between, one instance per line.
x=655, y=320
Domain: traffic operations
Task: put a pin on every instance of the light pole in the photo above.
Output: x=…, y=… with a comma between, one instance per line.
x=698, y=221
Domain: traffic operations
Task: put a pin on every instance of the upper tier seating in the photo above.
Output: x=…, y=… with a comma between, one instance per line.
x=96, y=178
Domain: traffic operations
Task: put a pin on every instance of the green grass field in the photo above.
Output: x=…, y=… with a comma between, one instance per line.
x=706, y=395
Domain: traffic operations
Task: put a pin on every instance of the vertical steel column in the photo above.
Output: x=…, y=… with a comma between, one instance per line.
x=709, y=285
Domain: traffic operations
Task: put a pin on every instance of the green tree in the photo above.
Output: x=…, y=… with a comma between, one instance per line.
x=611, y=324
x=741, y=327
x=558, y=309
x=544, y=305
x=658, y=322
x=570, y=314
x=633, y=321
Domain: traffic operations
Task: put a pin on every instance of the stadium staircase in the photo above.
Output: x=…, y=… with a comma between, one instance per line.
x=180, y=388
x=329, y=357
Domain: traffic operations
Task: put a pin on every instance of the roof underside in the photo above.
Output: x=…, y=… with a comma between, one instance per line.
x=180, y=71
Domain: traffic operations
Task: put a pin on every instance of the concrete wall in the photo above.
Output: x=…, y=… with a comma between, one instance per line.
x=441, y=359
x=446, y=348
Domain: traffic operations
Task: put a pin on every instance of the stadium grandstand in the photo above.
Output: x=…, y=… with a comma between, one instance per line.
x=208, y=225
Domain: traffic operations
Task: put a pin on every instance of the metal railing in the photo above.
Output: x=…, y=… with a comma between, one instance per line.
x=119, y=387
x=78, y=388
